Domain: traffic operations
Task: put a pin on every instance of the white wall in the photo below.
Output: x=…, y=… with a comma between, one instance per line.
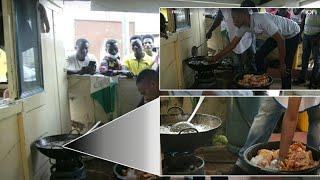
x=43, y=114
x=174, y=74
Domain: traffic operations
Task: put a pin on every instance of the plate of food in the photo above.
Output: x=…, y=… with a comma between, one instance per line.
x=253, y=81
x=301, y=160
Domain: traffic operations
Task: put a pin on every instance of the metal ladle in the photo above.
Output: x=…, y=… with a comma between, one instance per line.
x=187, y=124
x=194, y=50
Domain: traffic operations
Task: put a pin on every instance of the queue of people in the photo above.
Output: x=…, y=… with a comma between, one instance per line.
x=284, y=28
x=142, y=57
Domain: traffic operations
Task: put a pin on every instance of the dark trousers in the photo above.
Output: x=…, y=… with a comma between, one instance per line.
x=309, y=44
x=269, y=45
x=246, y=63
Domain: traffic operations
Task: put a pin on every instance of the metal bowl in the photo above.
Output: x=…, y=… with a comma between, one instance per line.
x=239, y=86
x=253, y=151
x=181, y=142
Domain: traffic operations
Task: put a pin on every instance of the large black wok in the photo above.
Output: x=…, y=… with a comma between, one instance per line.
x=195, y=63
x=253, y=150
x=51, y=146
x=240, y=76
x=187, y=142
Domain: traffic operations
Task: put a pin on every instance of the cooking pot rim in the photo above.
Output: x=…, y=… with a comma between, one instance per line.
x=238, y=76
x=201, y=114
x=247, y=151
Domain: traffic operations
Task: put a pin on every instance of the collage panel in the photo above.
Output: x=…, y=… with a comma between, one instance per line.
x=277, y=136
x=159, y=89
x=243, y=48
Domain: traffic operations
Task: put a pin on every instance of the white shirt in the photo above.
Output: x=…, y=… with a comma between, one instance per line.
x=297, y=18
x=269, y=24
x=227, y=24
x=75, y=65
x=306, y=102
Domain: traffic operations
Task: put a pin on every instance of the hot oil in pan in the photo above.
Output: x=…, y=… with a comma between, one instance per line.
x=55, y=145
x=165, y=129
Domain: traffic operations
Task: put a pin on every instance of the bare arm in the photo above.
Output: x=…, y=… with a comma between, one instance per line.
x=69, y=72
x=281, y=47
x=289, y=124
x=228, y=49
x=217, y=21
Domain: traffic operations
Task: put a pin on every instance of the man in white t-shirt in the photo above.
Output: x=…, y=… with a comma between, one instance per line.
x=245, y=49
x=81, y=62
x=283, y=33
x=148, y=46
x=267, y=118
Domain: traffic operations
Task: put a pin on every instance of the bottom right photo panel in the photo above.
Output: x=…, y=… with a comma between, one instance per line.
x=210, y=136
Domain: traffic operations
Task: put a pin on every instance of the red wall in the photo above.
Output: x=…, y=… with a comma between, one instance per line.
x=97, y=31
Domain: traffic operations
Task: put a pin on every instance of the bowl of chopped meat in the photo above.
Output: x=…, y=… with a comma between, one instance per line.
x=262, y=158
x=253, y=81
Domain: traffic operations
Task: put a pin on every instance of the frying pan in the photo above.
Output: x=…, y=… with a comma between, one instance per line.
x=253, y=169
x=200, y=66
x=220, y=65
x=187, y=142
x=240, y=76
x=51, y=146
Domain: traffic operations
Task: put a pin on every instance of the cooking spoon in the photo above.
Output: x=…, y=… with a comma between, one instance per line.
x=194, y=50
x=186, y=124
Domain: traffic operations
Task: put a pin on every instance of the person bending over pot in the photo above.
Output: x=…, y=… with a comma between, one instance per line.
x=283, y=33
x=266, y=120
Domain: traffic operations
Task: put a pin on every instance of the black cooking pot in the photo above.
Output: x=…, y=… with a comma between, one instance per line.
x=183, y=142
x=240, y=76
x=51, y=146
x=195, y=63
x=253, y=169
x=183, y=164
x=117, y=172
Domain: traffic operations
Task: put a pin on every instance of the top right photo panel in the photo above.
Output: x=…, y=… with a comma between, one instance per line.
x=245, y=47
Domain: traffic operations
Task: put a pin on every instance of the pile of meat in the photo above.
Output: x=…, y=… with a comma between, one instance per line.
x=298, y=159
x=251, y=80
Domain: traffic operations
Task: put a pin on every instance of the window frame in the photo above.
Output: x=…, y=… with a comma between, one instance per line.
x=39, y=85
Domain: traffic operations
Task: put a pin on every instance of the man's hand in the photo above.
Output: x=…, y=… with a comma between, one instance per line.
x=84, y=70
x=289, y=124
x=103, y=69
x=127, y=73
x=215, y=59
x=91, y=70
